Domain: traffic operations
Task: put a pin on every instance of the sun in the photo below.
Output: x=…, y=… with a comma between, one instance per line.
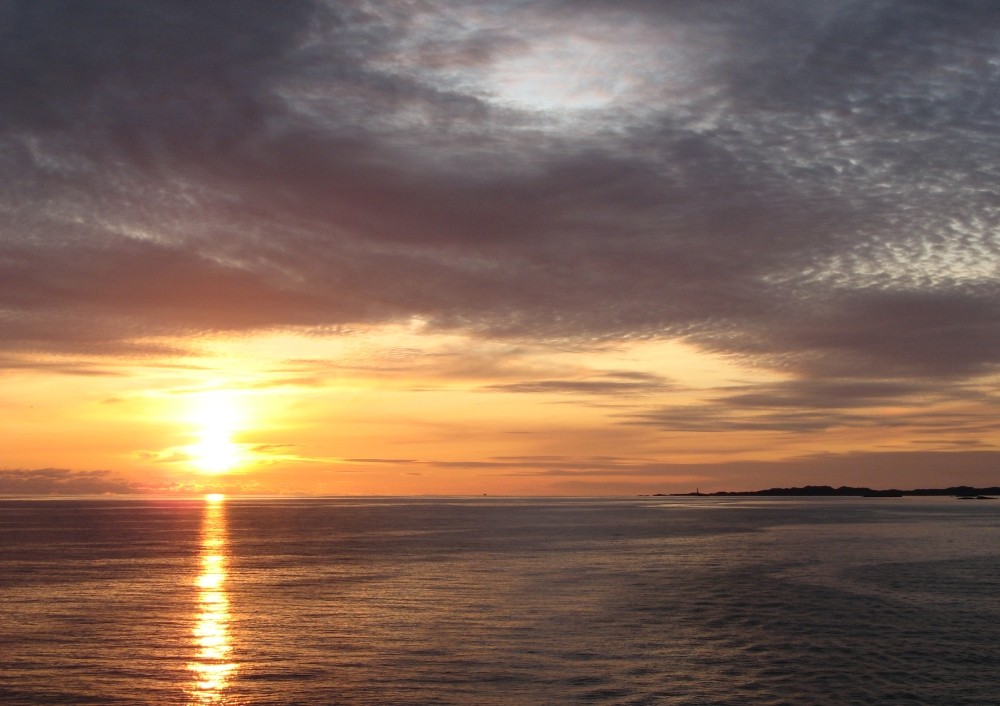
x=218, y=416
x=216, y=455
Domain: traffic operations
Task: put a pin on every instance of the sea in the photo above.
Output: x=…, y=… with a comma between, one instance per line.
x=506, y=601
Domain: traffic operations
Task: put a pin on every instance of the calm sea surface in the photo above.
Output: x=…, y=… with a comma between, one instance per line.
x=500, y=601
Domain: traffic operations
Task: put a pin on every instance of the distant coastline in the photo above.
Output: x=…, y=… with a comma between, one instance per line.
x=847, y=491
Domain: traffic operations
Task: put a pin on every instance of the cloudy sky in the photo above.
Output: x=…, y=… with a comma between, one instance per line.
x=552, y=247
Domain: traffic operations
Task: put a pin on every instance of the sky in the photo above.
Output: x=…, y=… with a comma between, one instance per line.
x=533, y=248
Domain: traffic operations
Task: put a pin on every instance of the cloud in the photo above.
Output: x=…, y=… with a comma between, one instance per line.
x=549, y=465
x=613, y=383
x=383, y=461
x=805, y=405
x=530, y=466
x=166, y=456
x=803, y=186
x=61, y=481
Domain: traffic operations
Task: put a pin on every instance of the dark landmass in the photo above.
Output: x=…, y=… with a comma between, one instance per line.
x=962, y=491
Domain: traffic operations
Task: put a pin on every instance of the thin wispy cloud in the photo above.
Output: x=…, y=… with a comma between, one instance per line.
x=627, y=383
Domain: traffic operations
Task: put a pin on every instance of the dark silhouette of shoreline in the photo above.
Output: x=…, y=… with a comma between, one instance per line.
x=962, y=491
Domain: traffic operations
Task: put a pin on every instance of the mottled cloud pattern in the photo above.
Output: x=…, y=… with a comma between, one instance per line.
x=809, y=186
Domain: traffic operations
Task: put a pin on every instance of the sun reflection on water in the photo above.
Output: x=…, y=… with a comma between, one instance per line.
x=212, y=665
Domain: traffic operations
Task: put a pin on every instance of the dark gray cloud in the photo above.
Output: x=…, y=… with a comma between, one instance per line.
x=171, y=74
x=810, y=186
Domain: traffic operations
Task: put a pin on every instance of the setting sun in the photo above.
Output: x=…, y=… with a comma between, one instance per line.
x=218, y=416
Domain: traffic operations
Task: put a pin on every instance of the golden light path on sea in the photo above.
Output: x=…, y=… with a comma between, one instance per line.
x=212, y=666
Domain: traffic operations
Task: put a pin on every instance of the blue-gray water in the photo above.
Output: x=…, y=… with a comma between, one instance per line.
x=483, y=601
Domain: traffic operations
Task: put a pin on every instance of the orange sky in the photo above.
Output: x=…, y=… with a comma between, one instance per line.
x=400, y=410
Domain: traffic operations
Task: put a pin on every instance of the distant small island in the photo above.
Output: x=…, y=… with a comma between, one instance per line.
x=962, y=491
